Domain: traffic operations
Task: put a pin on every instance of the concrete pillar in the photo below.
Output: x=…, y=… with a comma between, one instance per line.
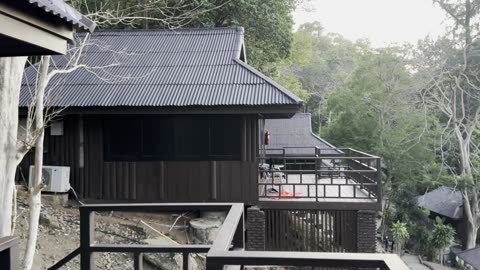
x=366, y=231
x=255, y=229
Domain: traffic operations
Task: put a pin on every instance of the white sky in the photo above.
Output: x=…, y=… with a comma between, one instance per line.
x=384, y=22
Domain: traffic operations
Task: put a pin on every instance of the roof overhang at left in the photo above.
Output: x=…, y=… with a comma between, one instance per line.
x=38, y=27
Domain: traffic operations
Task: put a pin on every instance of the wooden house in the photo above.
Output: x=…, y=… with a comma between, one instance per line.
x=178, y=116
x=173, y=116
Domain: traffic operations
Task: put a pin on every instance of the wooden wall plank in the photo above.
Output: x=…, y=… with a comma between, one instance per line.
x=175, y=181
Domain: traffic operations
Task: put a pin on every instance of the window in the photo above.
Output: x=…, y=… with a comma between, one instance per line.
x=225, y=137
x=121, y=138
x=184, y=137
x=156, y=137
x=191, y=137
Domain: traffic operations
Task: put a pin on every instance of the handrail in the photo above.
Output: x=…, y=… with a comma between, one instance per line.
x=353, y=177
x=216, y=260
x=227, y=248
x=9, y=253
x=231, y=232
x=340, y=151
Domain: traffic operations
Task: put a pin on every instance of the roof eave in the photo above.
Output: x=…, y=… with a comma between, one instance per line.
x=267, y=111
x=293, y=97
x=70, y=15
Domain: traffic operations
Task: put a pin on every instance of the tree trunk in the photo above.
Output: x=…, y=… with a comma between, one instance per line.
x=470, y=208
x=471, y=236
x=11, y=71
x=34, y=199
x=472, y=230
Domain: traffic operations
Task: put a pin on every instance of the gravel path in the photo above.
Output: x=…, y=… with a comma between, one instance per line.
x=413, y=262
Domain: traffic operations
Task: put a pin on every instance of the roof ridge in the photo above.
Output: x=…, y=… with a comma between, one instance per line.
x=270, y=81
x=239, y=29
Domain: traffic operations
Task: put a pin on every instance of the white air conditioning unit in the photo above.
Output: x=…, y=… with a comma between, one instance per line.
x=56, y=178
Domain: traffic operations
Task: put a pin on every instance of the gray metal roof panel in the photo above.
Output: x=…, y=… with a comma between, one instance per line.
x=443, y=200
x=471, y=257
x=192, y=67
x=295, y=132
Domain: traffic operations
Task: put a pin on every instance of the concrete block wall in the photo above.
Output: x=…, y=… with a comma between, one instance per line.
x=366, y=231
x=255, y=227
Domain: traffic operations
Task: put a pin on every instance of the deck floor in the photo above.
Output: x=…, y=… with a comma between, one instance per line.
x=296, y=187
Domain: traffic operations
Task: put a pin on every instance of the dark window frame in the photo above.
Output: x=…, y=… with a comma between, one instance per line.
x=173, y=121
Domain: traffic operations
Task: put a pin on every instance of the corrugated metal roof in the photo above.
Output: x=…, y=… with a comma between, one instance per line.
x=295, y=132
x=445, y=201
x=188, y=67
x=65, y=12
x=471, y=257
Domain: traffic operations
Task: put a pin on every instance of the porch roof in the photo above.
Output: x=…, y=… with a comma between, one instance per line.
x=58, y=8
x=295, y=134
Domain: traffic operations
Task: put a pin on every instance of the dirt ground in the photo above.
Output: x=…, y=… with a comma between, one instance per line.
x=59, y=233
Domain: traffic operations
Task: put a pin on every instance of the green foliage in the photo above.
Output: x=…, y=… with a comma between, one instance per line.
x=461, y=264
x=293, y=84
x=400, y=235
x=320, y=63
x=442, y=235
x=268, y=27
x=399, y=231
x=376, y=111
x=406, y=209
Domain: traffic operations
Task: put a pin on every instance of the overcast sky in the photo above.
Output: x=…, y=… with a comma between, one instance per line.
x=382, y=21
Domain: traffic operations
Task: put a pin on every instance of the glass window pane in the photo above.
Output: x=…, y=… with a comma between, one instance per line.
x=225, y=137
x=191, y=137
x=121, y=138
x=157, y=137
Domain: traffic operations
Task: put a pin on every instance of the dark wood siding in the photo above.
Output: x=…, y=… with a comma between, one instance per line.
x=169, y=181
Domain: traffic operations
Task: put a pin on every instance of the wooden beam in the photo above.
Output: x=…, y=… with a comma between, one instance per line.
x=304, y=205
x=64, y=30
x=27, y=33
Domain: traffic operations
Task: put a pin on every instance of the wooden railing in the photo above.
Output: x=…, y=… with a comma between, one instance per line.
x=234, y=222
x=9, y=253
x=227, y=248
x=217, y=260
x=312, y=174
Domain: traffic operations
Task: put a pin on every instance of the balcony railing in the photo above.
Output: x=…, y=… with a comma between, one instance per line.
x=312, y=174
x=227, y=248
x=9, y=253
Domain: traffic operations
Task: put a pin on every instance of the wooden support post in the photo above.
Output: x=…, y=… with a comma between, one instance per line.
x=86, y=239
x=239, y=236
x=138, y=261
x=185, y=260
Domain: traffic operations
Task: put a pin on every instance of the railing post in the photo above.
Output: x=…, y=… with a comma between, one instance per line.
x=14, y=257
x=185, y=260
x=9, y=254
x=87, y=228
x=239, y=236
x=138, y=261
x=213, y=265
x=378, y=166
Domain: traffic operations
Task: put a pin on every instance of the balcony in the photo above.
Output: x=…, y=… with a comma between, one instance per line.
x=310, y=175
x=226, y=252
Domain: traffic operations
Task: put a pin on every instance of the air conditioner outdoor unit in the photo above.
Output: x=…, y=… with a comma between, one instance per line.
x=56, y=178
